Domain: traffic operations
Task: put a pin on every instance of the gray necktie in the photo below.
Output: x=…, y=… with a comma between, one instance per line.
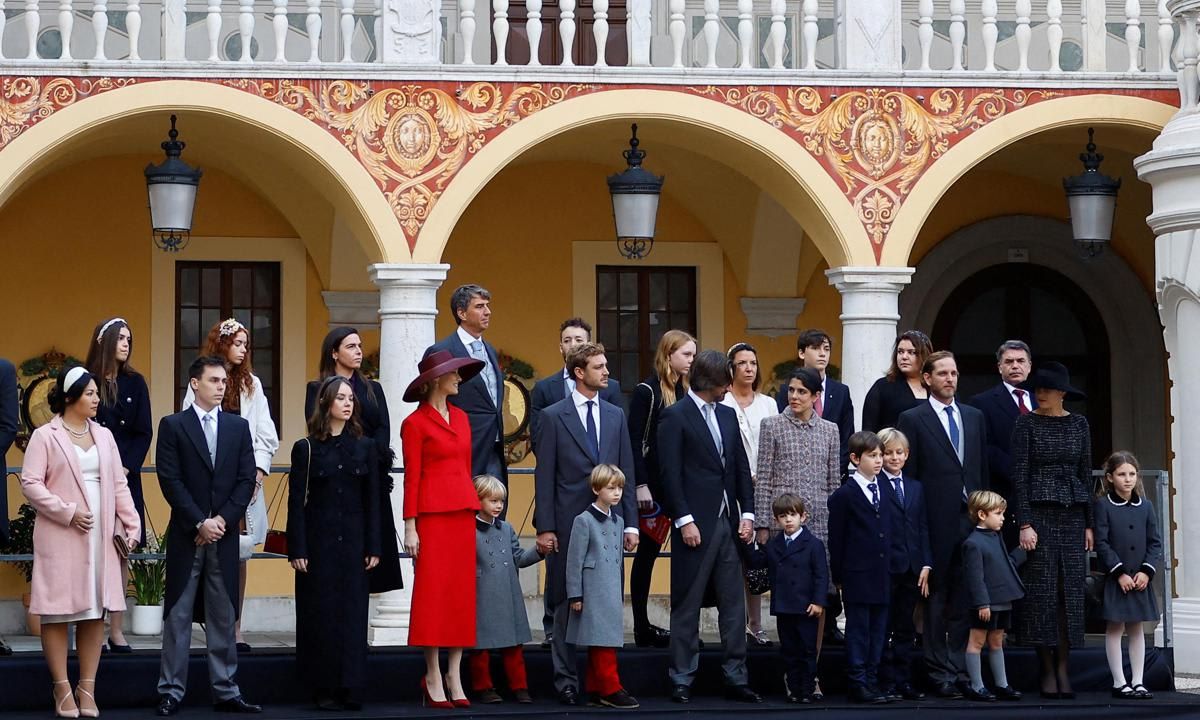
x=209, y=425
x=489, y=378
x=710, y=419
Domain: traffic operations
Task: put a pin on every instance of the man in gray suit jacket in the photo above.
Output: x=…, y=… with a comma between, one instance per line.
x=577, y=434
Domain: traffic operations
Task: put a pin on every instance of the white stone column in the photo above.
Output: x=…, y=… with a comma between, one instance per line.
x=407, y=309
x=870, y=311
x=1172, y=168
x=868, y=35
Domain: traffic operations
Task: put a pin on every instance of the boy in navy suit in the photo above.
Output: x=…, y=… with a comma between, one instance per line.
x=861, y=516
x=795, y=562
x=911, y=562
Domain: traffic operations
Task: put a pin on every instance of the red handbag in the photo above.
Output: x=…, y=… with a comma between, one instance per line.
x=277, y=541
x=655, y=524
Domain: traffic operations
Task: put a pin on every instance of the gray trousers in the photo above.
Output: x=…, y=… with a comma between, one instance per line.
x=219, y=619
x=945, y=639
x=562, y=653
x=722, y=568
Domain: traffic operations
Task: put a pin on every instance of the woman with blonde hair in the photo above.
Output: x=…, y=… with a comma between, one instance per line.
x=244, y=396
x=73, y=477
x=668, y=383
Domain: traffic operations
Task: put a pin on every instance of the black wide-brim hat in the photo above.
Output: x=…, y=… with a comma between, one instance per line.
x=438, y=364
x=1054, y=376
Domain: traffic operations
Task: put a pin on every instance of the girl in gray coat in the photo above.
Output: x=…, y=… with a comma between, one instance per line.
x=500, y=619
x=1130, y=547
x=595, y=579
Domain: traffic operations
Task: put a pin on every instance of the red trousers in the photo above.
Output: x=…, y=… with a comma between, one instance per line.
x=602, y=678
x=514, y=669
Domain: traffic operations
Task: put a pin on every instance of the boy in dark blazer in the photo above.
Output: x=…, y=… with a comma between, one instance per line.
x=911, y=563
x=799, y=574
x=861, y=518
x=992, y=586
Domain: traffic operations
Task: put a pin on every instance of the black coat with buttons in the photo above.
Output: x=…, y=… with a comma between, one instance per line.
x=500, y=618
x=798, y=571
x=128, y=419
x=861, y=539
x=333, y=522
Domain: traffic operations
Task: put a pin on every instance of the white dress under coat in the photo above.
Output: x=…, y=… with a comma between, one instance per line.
x=257, y=412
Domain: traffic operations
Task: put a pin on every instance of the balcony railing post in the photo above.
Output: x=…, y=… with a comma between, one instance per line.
x=1054, y=33
x=133, y=24
x=1095, y=35
x=312, y=25
x=174, y=30
x=280, y=25
x=533, y=29
x=466, y=28
x=600, y=31
x=677, y=30
x=989, y=8
x=868, y=34
x=1133, y=32
x=99, y=27
x=958, y=33
x=1024, y=34
x=1166, y=37
x=66, y=24
x=33, y=22
x=640, y=32
x=412, y=32
x=925, y=32
x=500, y=30
x=212, y=24
x=777, y=34
x=566, y=30
x=809, y=33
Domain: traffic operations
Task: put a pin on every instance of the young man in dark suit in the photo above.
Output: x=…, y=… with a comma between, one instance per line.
x=8, y=434
x=911, y=562
x=481, y=397
x=206, y=469
x=554, y=387
x=577, y=434
x=1001, y=406
x=813, y=349
x=863, y=518
x=706, y=485
x=948, y=452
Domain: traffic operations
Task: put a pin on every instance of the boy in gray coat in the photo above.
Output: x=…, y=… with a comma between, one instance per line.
x=595, y=578
x=500, y=620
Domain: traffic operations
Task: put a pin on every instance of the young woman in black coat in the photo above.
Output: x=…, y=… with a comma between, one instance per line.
x=901, y=388
x=333, y=543
x=666, y=385
x=342, y=355
x=125, y=410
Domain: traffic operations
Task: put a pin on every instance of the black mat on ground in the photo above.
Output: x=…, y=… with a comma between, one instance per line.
x=268, y=677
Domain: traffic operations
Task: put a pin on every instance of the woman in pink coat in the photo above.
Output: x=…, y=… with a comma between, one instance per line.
x=73, y=477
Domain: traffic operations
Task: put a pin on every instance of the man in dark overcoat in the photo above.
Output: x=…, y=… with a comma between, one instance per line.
x=577, y=434
x=948, y=454
x=8, y=434
x=205, y=461
x=707, y=489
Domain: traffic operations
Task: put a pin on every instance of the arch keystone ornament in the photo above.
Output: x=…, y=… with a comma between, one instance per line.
x=876, y=142
x=412, y=138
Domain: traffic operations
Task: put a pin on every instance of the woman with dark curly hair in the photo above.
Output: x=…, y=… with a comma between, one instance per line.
x=901, y=388
x=244, y=396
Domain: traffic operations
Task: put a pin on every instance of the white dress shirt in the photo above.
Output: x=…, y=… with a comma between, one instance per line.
x=700, y=403
x=1012, y=393
x=939, y=409
x=863, y=482
x=467, y=338
x=582, y=409
x=789, y=539
x=201, y=414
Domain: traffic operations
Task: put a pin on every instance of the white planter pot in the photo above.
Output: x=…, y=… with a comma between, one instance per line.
x=146, y=619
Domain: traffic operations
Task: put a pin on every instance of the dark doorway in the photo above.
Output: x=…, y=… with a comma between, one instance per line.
x=583, y=49
x=1045, y=309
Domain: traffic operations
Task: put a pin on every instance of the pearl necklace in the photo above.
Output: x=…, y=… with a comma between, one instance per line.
x=77, y=433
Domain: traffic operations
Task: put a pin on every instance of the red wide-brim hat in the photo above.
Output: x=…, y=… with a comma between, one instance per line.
x=437, y=364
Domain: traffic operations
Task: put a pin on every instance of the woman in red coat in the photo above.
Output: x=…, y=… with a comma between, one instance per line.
x=439, y=523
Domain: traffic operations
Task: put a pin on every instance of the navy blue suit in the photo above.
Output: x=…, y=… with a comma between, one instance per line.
x=910, y=554
x=483, y=411
x=837, y=409
x=799, y=577
x=860, y=556
x=553, y=388
x=8, y=432
x=1000, y=414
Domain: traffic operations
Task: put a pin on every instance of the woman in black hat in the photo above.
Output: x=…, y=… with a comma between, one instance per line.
x=439, y=523
x=1051, y=455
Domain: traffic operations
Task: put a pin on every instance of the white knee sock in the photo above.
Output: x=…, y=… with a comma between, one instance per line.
x=1112, y=648
x=974, y=670
x=1137, y=652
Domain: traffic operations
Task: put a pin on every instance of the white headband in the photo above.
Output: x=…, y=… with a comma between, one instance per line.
x=231, y=327
x=104, y=328
x=72, y=377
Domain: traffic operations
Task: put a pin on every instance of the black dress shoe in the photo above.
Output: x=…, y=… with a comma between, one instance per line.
x=908, y=692
x=864, y=695
x=1007, y=693
x=568, y=696
x=981, y=695
x=243, y=648
x=652, y=636
x=237, y=705
x=681, y=694
x=742, y=693
x=116, y=649
x=947, y=691
x=167, y=706
x=5, y=650
x=327, y=702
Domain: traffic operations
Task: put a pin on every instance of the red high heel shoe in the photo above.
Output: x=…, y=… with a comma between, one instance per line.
x=463, y=703
x=427, y=701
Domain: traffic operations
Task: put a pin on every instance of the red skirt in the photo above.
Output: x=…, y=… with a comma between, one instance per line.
x=443, y=599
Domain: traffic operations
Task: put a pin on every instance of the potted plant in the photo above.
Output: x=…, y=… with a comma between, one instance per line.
x=20, y=542
x=148, y=576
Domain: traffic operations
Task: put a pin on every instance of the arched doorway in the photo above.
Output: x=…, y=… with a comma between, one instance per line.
x=1045, y=309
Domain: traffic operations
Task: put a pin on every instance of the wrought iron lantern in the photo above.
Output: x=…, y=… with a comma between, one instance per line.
x=1092, y=201
x=171, y=187
x=635, y=194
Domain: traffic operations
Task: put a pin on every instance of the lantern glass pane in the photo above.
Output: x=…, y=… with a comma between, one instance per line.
x=635, y=215
x=171, y=206
x=1092, y=216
